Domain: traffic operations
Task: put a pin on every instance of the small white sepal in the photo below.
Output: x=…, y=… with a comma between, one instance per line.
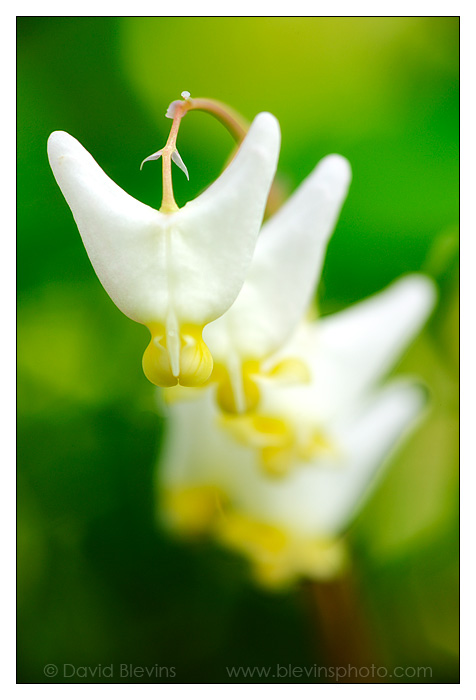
x=178, y=161
x=154, y=156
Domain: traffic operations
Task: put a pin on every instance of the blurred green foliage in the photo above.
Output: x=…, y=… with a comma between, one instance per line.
x=99, y=582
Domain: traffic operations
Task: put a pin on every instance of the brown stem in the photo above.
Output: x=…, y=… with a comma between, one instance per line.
x=234, y=122
x=343, y=629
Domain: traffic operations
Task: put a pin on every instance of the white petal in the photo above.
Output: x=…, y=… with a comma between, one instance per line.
x=368, y=441
x=318, y=499
x=355, y=348
x=322, y=498
x=121, y=235
x=194, y=446
x=286, y=265
x=193, y=261
x=350, y=351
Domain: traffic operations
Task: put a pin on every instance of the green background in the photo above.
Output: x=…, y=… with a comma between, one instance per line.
x=99, y=581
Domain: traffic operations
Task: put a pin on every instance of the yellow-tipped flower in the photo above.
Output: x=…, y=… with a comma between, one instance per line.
x=278, y=289
x=172, y=270
x=281, y=485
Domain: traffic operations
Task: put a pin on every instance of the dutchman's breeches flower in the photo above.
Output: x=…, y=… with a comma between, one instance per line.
x=282, y=484
x=278, y=289
x=174, y=270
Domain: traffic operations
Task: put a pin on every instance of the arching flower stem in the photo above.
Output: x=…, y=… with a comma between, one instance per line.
x=236, y=125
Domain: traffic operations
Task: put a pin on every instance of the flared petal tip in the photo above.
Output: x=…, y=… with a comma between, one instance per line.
x=337, y=170
x=61, y=144
x=57, y=142
x=265, y=127
x=420, y=291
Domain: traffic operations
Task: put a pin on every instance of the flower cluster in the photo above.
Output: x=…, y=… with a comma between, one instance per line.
x=278, y=423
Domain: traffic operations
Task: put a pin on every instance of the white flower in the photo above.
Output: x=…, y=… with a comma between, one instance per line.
x=335, y=432
x=346, y=355
x=278, y=288
x=174, y=272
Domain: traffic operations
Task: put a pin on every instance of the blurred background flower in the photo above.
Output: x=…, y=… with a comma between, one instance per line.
x=99, y=581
